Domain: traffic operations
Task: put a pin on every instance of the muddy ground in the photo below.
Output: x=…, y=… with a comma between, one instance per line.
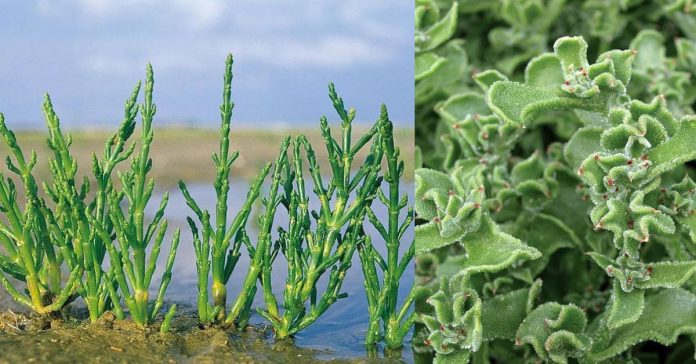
x=25, y=339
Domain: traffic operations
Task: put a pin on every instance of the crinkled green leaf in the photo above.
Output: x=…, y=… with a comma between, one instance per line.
x=555, y=331
x=429, y=183
x=439, y=32
x=427, y=63
x=503, y=314
x=519, y=104
x=679, y=149
x=666, y=315
x=487, y=250
x=486, y=78
x=668, y=274
x=428, y=238
x=650, y=49
x=583, y=143
x=458, y=107
x=625, y=307
x=572, y=51
x=658, y=275
x=452, y=203
x=456, y=324
x=686, y=53
x=544, y=71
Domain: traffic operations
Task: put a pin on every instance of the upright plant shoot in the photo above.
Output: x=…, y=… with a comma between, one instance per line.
x=128, y=254
x=382, y=297
x=218, y=246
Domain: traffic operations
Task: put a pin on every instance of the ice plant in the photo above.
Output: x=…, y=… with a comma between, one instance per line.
x=457, y=39
x=317, y=242
x=133, y=271
x=603, y=217
x=387, y=319
x=218, y=246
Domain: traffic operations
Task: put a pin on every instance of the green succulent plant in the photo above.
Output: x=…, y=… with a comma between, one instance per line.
x=600, y=209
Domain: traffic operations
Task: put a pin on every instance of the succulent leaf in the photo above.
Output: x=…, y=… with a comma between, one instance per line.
x=456, y=323
x=555, y=331
x=503, y=314
x=487, y=249
x=666, y=315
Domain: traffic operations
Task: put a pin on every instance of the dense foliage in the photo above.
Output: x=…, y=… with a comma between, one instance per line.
x=555, y=210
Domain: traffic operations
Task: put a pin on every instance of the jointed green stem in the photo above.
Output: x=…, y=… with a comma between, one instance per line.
x=383, y=299
x=217, y=247
x=262, y=252
x=132, y=269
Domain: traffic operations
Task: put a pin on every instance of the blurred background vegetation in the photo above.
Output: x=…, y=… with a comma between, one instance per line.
x=184, y=153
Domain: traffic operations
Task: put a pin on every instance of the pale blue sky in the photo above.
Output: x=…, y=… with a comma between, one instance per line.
x=88, y=54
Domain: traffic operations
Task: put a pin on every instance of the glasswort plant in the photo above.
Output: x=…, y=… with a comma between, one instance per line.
x=64, y=231
x=219, y=246
x=328, y=244
x=382, y=298
x=31, y=255
x=132, y=270
x=80, y=245
x=83, y=223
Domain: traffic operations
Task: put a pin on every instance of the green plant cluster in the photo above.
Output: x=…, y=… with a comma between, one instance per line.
x=75, y=226
x=70, y=226
x=554, y=210
x=454, y=40
x=316, y=243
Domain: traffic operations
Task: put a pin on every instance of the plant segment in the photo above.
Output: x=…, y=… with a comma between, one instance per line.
x=218, y=246
x=627, y=162
x=82, y=225
x=64, y=231
x=383, y=297
x=625, y=166
x=30, y=255
x=326, y=245
x=128, y=254
x=80, y=245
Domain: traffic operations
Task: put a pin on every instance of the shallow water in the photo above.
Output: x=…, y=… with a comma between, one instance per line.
x=338, y=334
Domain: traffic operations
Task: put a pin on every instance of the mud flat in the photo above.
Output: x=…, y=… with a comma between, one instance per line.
x=25, y=339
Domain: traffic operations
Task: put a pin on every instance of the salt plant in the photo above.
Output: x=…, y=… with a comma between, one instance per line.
x=388, y=321
x=30, y=256
x=218, y=247
x=317, y=242
x=132, y=270
x=262, y=254
x=41, y=239
x=455, y=40
x=79, y=244
x=80, y=223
